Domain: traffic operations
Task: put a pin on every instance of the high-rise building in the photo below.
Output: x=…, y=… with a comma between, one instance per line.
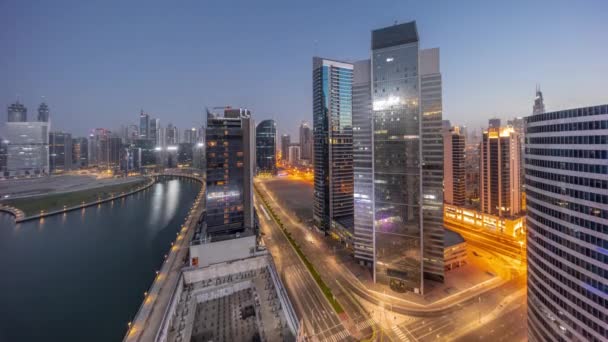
x=172, y=135
x=17, y=113
x=184, y=153
x=333, y=145
x=294, y=154
x=27, y=148
x=80, y=152
x=144, y=125
x=3, y=156
x=539, y=104
x=60, y=152
x=454, y=167
x=154, y=128
x=191, y=135
x=306, y=141
x=285, y=143
x=494, y=123
x=566, y=163
x=230, y=169
x=99, y=149
x=266, y=147
x=43, y=112
x=499, y=172
x=407, y=155
x=363, y=241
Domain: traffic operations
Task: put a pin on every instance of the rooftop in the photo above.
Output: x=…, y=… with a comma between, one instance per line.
x=451, y=238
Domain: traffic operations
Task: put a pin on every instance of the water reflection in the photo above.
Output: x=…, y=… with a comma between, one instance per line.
x=81, y=277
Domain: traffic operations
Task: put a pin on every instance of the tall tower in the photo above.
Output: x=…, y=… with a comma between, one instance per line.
x=539, y=105
x=407, y=165
x=144, y=125
x=17, y=112
x=266, y=147
x=333, y=144
x=43, y=112
x=285, y=142
x=305, y=141
x=454, y=166
x=567, y=220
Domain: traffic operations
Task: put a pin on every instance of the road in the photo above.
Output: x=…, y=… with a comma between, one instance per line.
x=329, y=260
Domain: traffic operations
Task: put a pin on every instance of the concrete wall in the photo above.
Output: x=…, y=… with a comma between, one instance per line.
x=222, y=251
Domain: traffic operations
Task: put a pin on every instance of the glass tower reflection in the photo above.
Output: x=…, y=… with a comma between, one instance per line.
x=266, y=147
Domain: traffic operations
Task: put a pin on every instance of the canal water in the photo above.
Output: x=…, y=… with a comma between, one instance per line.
x=81, y=276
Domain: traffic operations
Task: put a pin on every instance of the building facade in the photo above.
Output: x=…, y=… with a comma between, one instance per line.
x=294, y=154
x=285, y=143
x=306, y=141
x=43, y=112
x=230, y=158
x=266, y=147
x=499, y=172
x=566, y=162
x=17, y=113
x=363, y=241
x=333, y=144
x=60, y=152
x=80, y=152
x=454, y=167
x=27, y=148
x=144, y=125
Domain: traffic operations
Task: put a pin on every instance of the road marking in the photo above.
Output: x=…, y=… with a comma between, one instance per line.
x=400, y=333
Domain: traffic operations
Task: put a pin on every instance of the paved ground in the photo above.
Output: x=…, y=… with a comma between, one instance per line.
x=56, y=184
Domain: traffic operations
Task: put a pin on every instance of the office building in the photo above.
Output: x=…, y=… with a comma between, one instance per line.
x=294, y=154
x=285, y=143
x=171, y=135
x=184, y=153
x=408, y=166
x=494, y=123
x=539, y=103
x=499, y=172
x=148, y=154
x=191, y=135
x=230, y=158
x=3, y=156
x=27, y=148
x=60, y=152
x=154, y=128
x=566, y=164
x=144, y=125
x=17, y=113
x=454, y=167
x=43, y=112
x=333, y=145
x=363, y=241
x=80, y=152
x=306, y=141
x=266, y=147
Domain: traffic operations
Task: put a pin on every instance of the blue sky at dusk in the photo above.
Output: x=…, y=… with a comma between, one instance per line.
x=99, y=62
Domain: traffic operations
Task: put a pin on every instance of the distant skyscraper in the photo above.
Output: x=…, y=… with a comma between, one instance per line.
x=60, y=152
x=333, y=144
x=294, y=154
x=362, y=164
x=27, y=148
x=306, y=141
x=285, y=142
x=43, y=112
x=408, y=169
x=190, y=135
x=499, y=179
x=230, y=171
x=539, y=104
x=172, y=135
x=567, y=219
x=144, y=125
x=17, y=113
x=3, y=156
x=80, y=152
x=266, y=147
x=154, y=128
x=494, y=123
x=454, y=167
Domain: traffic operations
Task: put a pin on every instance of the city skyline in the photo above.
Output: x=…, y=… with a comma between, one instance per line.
x=499, y=65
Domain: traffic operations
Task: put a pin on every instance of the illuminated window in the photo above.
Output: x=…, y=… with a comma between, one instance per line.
x=211, y=143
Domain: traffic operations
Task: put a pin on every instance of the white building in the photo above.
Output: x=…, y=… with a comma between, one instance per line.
x=294, y=154
x=27, y=148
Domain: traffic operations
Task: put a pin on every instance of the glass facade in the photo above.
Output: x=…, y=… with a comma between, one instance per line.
x=144, y=125
x=266, y=147
x=333, y=144
x=397, y=153
x=566, y=163
x=27, y=148
x=60, y=151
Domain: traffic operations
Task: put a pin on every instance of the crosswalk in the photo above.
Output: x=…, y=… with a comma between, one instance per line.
x=400, y=334
x=365, y=324
x=339, y=336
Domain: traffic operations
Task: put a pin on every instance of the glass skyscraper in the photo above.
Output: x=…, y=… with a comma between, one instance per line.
x=566, y=163
x=407, y=160
x=333, y=144
x=266, y=147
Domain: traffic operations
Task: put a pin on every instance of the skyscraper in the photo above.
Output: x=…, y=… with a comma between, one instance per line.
x=60, y=152
x=566, y=164
x=190, y=135
x=499, y=172
x=154, y=129
x=17, y=113
x=407, y=154
x=80, y=152
x=539, y=104
x=285, y=142
x=294, y=154
x=266, y=147
x=333, y=144
x=363, y=241
x=43, y=112
x=144, y=125
x=172, y=135
x=230, y=170
x=27, y=148
x=454, y=167
x=305, y=141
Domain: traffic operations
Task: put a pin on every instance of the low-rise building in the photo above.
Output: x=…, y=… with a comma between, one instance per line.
x=454, y=251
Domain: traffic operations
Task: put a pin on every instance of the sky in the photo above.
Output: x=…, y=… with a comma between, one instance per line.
x=97, y=63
